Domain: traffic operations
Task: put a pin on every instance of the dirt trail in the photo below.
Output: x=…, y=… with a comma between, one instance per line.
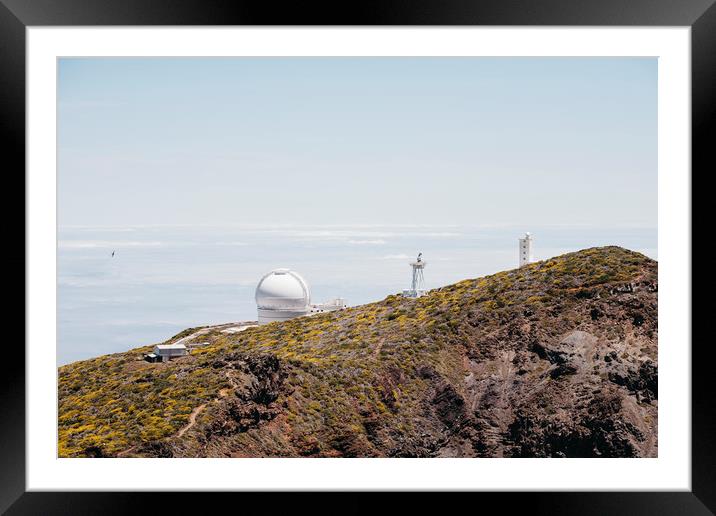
x=376, y=353
x=192, y=419
x=203, y=331
x=126, y=452
x=194, y=413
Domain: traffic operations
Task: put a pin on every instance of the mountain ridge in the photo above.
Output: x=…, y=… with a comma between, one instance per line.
x=555, y=359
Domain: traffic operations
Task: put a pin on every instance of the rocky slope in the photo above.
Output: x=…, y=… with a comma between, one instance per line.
x=556, y=359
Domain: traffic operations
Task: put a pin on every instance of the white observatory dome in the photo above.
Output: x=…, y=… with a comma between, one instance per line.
x=282, y=289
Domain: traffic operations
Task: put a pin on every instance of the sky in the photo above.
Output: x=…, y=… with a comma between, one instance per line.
x=480, y=141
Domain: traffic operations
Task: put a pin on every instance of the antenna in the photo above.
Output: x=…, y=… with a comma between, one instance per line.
x=417, y=285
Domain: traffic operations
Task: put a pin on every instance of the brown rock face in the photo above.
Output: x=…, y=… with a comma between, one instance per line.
x=556, y=359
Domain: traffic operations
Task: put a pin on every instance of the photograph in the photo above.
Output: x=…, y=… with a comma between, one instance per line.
x=357, y=257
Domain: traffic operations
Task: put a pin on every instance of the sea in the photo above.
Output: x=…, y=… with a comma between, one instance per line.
x=124, y=287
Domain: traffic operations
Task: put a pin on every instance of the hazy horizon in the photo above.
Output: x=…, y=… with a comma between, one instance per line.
x=163, y=280
x=204, y=173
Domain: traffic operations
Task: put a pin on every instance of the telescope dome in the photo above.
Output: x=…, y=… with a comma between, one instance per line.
x=282, y=289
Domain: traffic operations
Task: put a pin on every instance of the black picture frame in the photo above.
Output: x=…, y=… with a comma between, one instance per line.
x=16, y=15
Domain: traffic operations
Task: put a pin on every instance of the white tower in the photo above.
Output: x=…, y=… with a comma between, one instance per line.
x=526, y=250
x=417, y=285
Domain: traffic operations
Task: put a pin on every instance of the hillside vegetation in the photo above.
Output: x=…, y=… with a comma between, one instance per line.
x=555, y=359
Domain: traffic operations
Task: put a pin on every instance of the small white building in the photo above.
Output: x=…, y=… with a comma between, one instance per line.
x=526, y=250
x=168, y=351
x=283, y=294
x=329, y=306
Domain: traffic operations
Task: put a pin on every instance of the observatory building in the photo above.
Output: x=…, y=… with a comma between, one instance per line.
x=417, y=284
x=283, y=294
x=526, y=250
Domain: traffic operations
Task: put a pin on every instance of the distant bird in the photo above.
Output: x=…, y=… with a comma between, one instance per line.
x=112, y=254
